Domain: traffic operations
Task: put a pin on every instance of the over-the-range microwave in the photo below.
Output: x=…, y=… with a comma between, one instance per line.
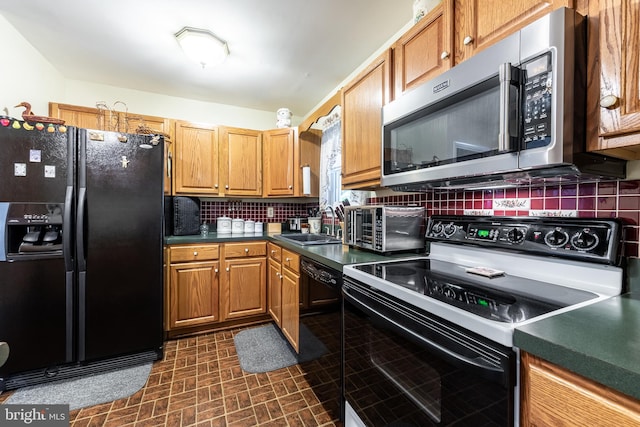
x=513, y=113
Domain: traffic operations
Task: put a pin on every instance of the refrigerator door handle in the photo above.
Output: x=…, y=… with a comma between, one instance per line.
x=67, y=249
x=80, y=239
x=66, y=229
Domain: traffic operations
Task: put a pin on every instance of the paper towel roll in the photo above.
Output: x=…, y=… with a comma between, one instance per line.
x=306, y=180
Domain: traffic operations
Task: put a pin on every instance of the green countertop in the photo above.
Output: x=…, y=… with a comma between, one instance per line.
x=335, y=256
x=600, y=341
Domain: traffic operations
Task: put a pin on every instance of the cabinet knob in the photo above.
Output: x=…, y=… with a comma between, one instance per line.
x=608, y=101
x=227, y=269
x=215, y=270
x=226, y=187
x=277, y=274
x=467, y=40
x=290, y=187
x=215, y=185
x=273, y=252
x=246, y=250
x=195, y=253
x=444, y=55
x=287, y=259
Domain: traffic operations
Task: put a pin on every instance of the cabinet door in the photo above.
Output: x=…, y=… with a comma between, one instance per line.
x=620, y=77
x=196, y=169
x=280, y=162
x=244, y=289
x=82, y=117
x=425, y=50
x=290, y=307
x=362, y=100
x=552, y=396
x=241, y=162
x=193, y=294
x=481, y=23
x=274, y=285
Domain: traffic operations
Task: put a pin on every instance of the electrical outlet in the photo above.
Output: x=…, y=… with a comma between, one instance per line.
x=270, y=212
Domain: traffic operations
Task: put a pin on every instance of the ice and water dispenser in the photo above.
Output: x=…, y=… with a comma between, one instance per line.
x=31, y=230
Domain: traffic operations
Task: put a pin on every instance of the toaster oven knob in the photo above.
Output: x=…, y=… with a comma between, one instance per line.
x=585, y=240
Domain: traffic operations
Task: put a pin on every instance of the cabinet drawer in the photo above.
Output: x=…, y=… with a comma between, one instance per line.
x=291, y=260
x=237, y=250
x=275, y=252
x=194, y=253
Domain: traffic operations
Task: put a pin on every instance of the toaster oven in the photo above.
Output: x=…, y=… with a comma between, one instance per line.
x=385, y=228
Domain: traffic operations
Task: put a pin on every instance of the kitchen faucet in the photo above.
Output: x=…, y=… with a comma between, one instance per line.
x=333, y=221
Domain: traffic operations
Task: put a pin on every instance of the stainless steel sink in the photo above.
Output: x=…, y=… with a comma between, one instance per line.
x=307, y=239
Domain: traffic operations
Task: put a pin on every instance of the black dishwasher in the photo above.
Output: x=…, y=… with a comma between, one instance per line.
x=321, y=302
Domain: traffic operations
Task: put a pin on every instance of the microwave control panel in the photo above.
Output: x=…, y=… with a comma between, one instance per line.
x=536, y=99
x=593, y=239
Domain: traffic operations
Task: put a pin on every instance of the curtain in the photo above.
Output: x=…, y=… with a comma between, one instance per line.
x=330, y=162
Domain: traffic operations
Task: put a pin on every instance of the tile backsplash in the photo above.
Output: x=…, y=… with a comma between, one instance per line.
x=607, y=199
x=257, y=211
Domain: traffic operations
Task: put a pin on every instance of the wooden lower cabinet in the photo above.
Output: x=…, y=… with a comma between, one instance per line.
x=554, y=396
x=290, y=307
x=284, y=292
x=274, y=281
x=214, y=286
x=192, y=286
x=244, y=285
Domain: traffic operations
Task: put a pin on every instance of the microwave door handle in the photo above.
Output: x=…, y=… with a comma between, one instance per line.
x=507, y=75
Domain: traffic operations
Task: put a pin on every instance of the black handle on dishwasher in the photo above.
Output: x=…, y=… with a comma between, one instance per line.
x=325, y=275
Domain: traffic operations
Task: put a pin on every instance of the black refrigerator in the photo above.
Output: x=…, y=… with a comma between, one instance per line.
x=81, y=235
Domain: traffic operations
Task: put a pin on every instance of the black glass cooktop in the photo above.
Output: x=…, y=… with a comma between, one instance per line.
x=503, y=298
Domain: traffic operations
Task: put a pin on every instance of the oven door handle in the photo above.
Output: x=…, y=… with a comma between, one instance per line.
x=488, y=369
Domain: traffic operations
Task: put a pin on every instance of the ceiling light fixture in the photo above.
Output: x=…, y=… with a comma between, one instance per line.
x=202, y=46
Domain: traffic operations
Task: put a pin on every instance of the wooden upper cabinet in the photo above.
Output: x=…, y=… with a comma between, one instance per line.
x=362, y=100
x=280, y=162
x=425, y=50
x=118, y=121
x=618, y=94
x=240, y=162
x=196, y=169
x=74, y=115
x=480, y=23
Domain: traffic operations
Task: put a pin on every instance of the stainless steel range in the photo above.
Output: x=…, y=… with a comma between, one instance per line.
x=434, y=334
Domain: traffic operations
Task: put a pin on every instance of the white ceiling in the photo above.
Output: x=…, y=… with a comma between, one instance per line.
x=284, y=53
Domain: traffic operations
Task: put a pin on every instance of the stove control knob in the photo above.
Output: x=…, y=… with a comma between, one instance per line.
x=449, y=229
x=449, y=293
x=585, y=240
x=515, y=235
x=556, y=238
x=437, y=228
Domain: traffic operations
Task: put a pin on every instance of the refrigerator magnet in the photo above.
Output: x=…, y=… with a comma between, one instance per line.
x=49, y=171
x=35, y=156
x=19, y=169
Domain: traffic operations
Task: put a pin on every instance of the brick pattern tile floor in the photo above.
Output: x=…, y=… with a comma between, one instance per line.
x=200, y=382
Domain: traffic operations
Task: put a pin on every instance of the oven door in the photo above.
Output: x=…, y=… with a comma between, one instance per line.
x=403, y=366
